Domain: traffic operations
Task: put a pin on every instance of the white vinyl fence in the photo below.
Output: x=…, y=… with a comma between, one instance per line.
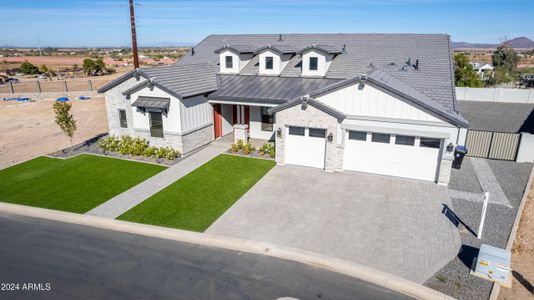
x=495, y=95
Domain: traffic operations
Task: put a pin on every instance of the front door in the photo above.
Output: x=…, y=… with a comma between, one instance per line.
x=217, y=120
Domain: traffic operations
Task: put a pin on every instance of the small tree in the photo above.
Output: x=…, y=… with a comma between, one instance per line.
x=43, y=68
x=464, y=74
x=28, y=68
x=65, y=120
x=505, y=57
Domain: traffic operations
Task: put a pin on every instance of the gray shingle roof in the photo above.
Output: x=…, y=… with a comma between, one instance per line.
x=498, y=116
x=363, y=52
x=237, y=48
x=152, y=102
x=272, y=89
x=178, y=80
x=327, y=49
x=309, y=101
x=183, y=80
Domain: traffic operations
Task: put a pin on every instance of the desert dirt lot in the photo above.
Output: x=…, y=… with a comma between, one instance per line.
x=27, y=129
x=523, y=256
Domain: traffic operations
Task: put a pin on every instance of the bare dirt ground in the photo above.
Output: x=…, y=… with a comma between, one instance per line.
x=28, y=130
x=523, y=256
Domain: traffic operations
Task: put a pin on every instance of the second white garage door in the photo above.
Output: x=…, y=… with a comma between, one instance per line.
x=305, y=146
x=400, y=155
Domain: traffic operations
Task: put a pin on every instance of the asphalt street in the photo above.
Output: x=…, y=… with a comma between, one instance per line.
x=42, y=259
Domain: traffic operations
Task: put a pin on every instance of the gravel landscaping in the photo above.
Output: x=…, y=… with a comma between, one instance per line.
x=454, y=279
x=91, y=146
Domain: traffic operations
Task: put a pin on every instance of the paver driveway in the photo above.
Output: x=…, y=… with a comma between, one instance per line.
x=392, y=224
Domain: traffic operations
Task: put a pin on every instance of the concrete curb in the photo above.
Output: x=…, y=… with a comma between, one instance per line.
x=496, y=286
x=357, y=271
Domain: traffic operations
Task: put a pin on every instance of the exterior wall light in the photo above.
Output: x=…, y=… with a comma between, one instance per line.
x=279, y=132
x=450, y=147
x=330, y=137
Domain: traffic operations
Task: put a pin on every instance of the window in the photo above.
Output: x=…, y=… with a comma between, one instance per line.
x=267, y=119
x=317, y=132
x=357, y=135
x=381, y=138
x=156, y=124
x=405, y=140
x=430, y=143
x=313, y=63
x=229, y=62
x=269, y=62
x=296, y=130
x=122, y=118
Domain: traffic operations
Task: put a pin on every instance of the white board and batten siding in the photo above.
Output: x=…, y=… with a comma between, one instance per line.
x=372, y=102
x=195, y=113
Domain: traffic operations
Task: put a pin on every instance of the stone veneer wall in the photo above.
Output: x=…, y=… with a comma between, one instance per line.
x=309, y=117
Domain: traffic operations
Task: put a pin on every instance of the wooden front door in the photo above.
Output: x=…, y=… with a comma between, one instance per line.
x=217, y=120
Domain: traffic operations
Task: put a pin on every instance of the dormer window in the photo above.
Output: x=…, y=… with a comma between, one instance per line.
x=229, y=61
x=316, y=59
x=314, y=63
x=232, y=59
x=269, y=62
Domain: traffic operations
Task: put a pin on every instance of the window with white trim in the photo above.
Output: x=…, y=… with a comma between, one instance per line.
x=229, y=62
x=357, y=135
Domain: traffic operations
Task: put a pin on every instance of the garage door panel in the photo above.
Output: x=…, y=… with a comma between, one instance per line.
x=390, y=159
x=305, y=150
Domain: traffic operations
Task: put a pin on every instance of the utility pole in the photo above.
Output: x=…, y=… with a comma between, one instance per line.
x=134, y=36
x=39, y=46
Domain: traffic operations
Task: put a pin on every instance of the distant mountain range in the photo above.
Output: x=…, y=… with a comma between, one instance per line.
x=520, y=42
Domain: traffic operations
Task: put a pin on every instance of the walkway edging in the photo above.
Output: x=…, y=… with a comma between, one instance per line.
x=357, y=271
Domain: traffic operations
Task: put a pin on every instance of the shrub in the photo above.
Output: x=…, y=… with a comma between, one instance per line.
x=151, y=151
x=267, y=149
x=137, y=146
x=248, y=148
x=234, y=148
x=109, y=144
x=172, y=154
x=240, y=144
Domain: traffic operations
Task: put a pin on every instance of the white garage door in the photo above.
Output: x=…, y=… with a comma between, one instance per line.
x=305, y=146
x=400, y=155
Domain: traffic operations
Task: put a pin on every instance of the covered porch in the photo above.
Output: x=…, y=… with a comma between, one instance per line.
x=232, y=117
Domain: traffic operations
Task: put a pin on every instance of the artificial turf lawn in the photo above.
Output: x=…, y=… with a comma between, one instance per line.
x=196, y=200
x=77, y=184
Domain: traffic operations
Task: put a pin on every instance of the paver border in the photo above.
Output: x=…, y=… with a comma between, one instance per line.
x=347, y=268
x=496, y=286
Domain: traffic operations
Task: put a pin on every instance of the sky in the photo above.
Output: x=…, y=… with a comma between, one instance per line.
x=86, y=23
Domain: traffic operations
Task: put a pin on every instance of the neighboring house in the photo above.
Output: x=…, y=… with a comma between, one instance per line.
x=377, y=103
x=499, y=130
x=484, y=70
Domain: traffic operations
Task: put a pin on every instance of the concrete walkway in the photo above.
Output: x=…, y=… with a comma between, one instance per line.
x=488, y=182
x=121, y=203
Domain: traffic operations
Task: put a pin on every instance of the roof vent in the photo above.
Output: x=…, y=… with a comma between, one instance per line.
x=304, y=101
x=193, y=51
x=345, y=49
x=280, y=38
x=416, y=66
x=408, y=62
